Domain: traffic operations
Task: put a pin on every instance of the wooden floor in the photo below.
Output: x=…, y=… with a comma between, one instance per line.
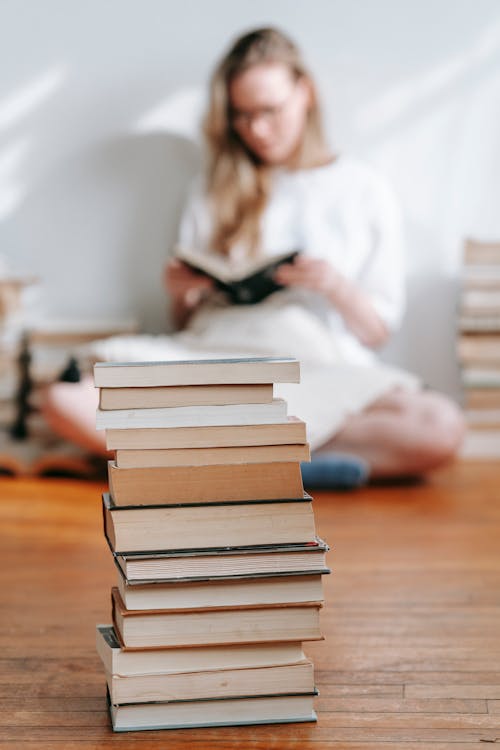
x=412, y=622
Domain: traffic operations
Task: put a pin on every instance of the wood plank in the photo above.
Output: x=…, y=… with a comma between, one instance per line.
x=411, y=657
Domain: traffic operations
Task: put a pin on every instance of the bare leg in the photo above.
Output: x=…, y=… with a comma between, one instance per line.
x=404, y=433
x=69, y=409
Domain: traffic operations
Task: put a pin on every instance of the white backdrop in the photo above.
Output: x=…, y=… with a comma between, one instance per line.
x=98, y=106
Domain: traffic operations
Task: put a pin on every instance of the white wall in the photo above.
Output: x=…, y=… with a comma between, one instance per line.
x=97, y=109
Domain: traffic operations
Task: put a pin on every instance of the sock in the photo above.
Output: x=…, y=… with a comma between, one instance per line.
x=340, y=471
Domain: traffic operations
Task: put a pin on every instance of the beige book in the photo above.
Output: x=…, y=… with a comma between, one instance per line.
x=185, y=395
x=481, y=253
x=221, y=593
x=482, y=398
x=293, y=430
x=128, y=459
x=486, y=418
x=223, y=683
x=205, y=484
x=165, y=629
x=126, y=662
x=197, y=372
x=479, y=349
x=481, y=276
x=479, y=323
x=208, y=526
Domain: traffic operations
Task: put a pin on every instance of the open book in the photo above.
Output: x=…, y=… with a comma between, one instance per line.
x=245, y=286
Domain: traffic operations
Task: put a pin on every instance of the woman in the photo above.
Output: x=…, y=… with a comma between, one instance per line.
x=272, y=185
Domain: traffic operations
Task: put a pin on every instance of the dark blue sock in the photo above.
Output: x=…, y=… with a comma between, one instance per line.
x=340, y=471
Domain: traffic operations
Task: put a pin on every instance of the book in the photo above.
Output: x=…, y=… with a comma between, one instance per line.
x=481, y=377
x=205, y=484
x=481, y=253
x=479, y=349
x=482, y=398
x=126, y=662
x=221, y=592
x=281, y=433
x=129, y=459
x=479, y=323
x=42, y=454
x=212, y=713
x=483, y=417
x=212, y=684
x=153, y=529
x=481, y=444
x=185, y=395
x=193, y=416
x=204, y=627
x=233, y=370
x=481, y=276
x=199, y=564
x=243, y=284
x=480, y=302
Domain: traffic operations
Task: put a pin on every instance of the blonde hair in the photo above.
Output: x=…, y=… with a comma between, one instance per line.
x=238, y=184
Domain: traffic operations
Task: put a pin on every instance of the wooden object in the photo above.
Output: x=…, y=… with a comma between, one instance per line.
x=412, y=621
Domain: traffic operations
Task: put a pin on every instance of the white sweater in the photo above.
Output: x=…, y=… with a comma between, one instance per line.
x=343, y=212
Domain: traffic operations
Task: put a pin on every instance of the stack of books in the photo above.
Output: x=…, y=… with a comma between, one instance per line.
x=479, y=346
x=219, y=569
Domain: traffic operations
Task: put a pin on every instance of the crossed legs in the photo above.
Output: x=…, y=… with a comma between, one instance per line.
x=404, y=433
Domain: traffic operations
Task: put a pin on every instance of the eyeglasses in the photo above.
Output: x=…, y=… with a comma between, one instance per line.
x=241, y=119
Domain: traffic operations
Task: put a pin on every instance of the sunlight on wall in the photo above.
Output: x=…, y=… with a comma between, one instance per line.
x=14, y=109
x=28, y=98
x=395, y=102
x=11, y=191
x=179, y=114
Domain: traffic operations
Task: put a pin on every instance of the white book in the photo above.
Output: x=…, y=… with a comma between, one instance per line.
x=193, y=416
x=478, y=377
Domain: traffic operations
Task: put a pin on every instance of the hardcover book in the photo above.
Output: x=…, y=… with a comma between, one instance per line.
x=245, y=286
x=221, y=592
x=212, y=713
x=181, y=527
x=214, y=626
x=221, y=683
x=262, y=560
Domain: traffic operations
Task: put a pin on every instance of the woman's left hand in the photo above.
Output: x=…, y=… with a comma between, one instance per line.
x=353, y=304
x=315, y=274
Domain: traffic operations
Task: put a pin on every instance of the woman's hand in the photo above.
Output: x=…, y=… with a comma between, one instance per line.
x=315, y=274
x=348, y=298
x=186, y=289
x=184, y=284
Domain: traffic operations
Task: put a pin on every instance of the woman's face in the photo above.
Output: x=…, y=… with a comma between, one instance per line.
x=269, y=110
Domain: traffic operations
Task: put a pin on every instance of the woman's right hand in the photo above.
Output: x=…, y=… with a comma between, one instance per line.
x=184, y=285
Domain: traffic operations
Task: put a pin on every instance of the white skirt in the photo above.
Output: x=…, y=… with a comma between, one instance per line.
x=330, y=390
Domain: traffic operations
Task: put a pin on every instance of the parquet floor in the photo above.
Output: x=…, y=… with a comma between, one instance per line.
x=412, y=622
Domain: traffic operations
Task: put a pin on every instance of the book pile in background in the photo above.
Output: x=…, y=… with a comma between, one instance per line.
x=218, y=563
x=34, y=354
x=479, y=347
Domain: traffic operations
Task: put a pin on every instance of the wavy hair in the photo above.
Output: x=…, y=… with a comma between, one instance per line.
x=237, y=182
